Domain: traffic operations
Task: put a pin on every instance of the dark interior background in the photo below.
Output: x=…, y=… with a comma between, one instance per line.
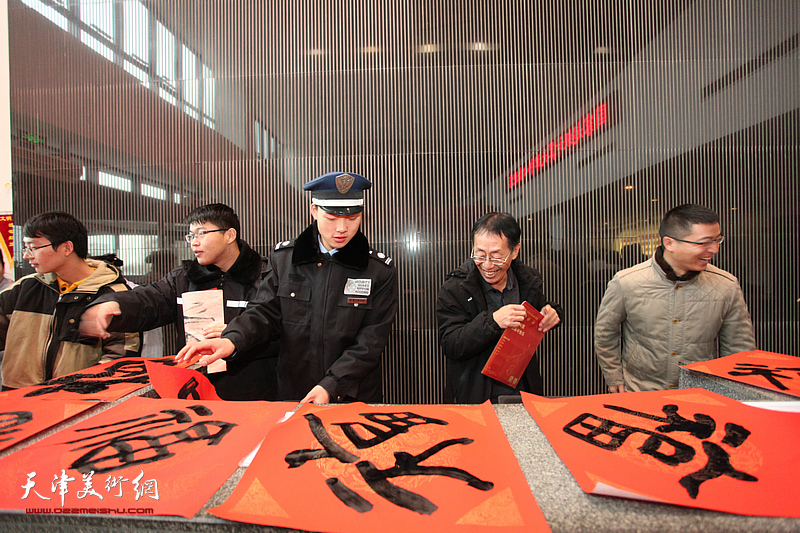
x=437, y=102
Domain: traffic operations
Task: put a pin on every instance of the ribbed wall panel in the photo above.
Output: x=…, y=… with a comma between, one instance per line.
x=437, y=102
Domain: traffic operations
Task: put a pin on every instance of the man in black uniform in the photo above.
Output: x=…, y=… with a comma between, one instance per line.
x=331, y=296
x=222, y=261
x=482, y=298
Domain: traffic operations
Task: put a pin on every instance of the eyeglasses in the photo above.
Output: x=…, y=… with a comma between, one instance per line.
x=719, y=240
x=492, y=260
x=201, y=233
x=28, y=250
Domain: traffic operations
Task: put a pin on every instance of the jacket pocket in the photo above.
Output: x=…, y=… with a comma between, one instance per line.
x=295, y=303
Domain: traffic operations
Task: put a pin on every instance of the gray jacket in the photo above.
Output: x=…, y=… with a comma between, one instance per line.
x=647, y=325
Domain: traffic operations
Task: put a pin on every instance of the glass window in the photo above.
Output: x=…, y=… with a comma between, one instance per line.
x=133, y=249
x=153, y=192
x=136, y=29
x=102, y=244
x=99, y=17
x=112, y=180
x=49, y=13
x=208, y=93
x=165, y=54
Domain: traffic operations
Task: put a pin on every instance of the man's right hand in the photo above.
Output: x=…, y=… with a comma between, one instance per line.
x=210, y=350
x=616, y=388
x=510, y=316
x=95, y=320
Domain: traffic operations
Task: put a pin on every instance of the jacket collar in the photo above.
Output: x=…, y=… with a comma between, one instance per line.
x=104, y=274
x=246, y=269
x=667, y=268
x=469, y=272
x=353, y=255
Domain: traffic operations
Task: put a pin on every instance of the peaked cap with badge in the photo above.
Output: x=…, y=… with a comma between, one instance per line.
x=339, y=193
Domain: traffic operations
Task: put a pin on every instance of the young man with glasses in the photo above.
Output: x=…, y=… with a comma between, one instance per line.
x=332, y=298
x=222, y=261
x=482, y=298
x=673, y=309
x=39, y=314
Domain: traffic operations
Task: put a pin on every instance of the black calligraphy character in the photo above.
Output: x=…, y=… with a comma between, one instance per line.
x=330, y=448
x=610, y=435
x=406, y=464
x=10, y=420
x=396, y=422
x=189, y=389
x=753, y=369
x=86, y=383
x=137, y=442
x=719, y=463
x=702, y=427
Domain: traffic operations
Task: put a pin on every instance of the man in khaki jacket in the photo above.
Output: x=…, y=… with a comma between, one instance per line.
x=673, y=309
x=40, y=313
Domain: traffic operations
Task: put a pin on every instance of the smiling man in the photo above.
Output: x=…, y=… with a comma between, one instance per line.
x=332, y=298
x=674, y=309
x=39, y=314
x=223, y=261
x=482, y=298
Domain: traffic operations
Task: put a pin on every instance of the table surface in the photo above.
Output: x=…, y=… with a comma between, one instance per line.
x=565, y=506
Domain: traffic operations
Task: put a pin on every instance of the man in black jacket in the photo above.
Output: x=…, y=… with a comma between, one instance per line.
x=478, y=301
x=332, y=298
x=222, y=261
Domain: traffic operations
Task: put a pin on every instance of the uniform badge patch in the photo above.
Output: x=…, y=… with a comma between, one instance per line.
x=358, y=287
x=344, y=182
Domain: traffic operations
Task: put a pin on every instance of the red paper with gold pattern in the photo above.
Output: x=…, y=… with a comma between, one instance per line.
x=170, y=456
x=687, y=447
x=768, y=370
x=467, y=476
x=23, y=418
x=105, y=381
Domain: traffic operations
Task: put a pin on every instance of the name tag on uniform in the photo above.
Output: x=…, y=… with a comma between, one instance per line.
x=358, y=287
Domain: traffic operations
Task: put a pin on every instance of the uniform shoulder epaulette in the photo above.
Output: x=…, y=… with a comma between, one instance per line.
x=380, y=256
x=284, y=244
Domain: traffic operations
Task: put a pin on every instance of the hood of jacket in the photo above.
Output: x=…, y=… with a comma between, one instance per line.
x=104, y=274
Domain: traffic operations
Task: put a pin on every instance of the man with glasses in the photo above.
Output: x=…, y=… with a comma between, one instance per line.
x=673, y=309
x=39, y=314
x=482, y=298
x=332, y=298
x=222, y=261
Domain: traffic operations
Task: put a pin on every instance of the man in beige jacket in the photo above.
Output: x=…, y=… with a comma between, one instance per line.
x=673, y=309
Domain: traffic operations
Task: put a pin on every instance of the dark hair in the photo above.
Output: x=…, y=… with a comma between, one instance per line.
x=59, y=227
x=218, y=214
x=502, y=224
x=679, y=220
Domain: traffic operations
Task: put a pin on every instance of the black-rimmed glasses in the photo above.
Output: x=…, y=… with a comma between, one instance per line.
x=719, y=240
x=201, y=233
x=30, y=249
